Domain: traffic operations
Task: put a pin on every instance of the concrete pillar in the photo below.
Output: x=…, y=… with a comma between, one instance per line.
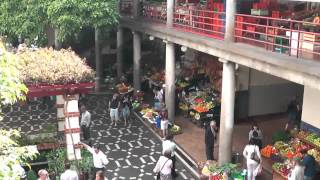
x=230, y=20
x=170, y=81
x=170, y=12
x=135, y=8
x=119, y=52
x=227, y=112
x=98, y=60
x=136, y=60
x=57, y=44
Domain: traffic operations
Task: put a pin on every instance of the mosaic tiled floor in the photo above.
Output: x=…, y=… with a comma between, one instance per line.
x=132, y=151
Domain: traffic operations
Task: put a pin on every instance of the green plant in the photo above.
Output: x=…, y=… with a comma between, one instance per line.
x=31, y=175
x=56, y=159
x=280, y=136
x=86, y=162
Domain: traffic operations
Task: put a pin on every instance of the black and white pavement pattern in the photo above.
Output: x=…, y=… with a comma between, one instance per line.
x=132, y=151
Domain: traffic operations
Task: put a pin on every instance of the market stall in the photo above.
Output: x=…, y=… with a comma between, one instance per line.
x=211, y=171
x=282, y=152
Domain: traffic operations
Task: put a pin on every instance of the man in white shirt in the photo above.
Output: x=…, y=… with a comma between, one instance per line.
x=85, y=122
x=169, y=145
x=100, y=160
x=69, y=174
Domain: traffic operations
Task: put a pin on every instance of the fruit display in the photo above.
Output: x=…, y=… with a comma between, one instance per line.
x=49, y=66
x=148, y=113
x=122, y=88
x=175, y=129
x=268, y=151
x=313, y=138
x=281, y=168
x=315, y=153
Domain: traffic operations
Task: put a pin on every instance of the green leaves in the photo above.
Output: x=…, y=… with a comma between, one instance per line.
x=11, y=87
x=29, y=19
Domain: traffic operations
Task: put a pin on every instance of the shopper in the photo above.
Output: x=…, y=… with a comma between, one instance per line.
x=68, y=173
x=114, y=105
x=100, y=160
x=256, y=134
x=126, y=104
x=164, y=166
x=297, y=172
x=310, y=165
x=43, y=175
x=293, y=114
x=85, y=122
x=100, y=175
x=253, y=157
x=158, y=98
x=169, y=145
x=210, y=137
x=164, y=123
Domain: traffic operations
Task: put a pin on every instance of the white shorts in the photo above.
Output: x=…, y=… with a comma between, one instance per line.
x=164, y=125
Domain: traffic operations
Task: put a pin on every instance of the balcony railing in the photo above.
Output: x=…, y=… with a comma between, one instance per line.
x=126, y=7
x=290, y=37
x=199, y=21
x=279, y=35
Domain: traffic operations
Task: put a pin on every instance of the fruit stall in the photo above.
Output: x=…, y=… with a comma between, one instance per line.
x=210, y=170
x=281, y=152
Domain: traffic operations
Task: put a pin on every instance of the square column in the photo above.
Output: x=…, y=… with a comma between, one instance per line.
x=72, y=126
x=136, y=60
x=170, y=12
x=119, y=52
x=170, y=81
x=227, y=112
x=98, y=60
x=230, y=20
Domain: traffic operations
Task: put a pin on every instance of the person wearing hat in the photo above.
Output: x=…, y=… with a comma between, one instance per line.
x=43, y=175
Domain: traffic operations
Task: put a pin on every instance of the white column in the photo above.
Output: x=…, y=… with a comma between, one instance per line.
x=170, y=12
x=136, y=60
x=230, y=20
x=227, y=112
x=135, y=8
x=119, y=52
x=72, y=126
x=170, y=81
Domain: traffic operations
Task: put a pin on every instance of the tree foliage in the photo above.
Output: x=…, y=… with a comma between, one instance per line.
x=11, y=89
x=30, y=18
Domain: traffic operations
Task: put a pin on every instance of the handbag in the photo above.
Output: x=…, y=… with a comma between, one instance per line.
x=255, y=157
x=158, y=174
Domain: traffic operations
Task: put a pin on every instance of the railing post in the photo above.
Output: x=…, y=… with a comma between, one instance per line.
x=290, y=39
x=298, y=46
x=230, y=20
x=267, y=40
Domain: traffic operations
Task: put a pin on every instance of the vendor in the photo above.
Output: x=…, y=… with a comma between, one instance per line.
x=297, y=172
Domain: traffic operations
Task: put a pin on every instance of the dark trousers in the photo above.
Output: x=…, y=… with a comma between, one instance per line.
x=86, y=132
x=209, y=152
x=173, y=169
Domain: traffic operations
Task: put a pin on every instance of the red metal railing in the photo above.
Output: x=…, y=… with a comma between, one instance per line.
x=200, y=21
x=126, y=7
x=280, y=35
x=157, y=12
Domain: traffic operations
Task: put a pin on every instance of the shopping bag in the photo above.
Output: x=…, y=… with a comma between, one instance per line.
x=258, y=170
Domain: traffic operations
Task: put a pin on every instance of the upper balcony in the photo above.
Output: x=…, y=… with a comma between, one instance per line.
x=272, y=29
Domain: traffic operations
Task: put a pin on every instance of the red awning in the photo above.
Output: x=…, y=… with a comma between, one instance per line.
x=59, y=89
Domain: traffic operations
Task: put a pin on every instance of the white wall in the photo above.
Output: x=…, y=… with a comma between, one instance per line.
x=269, y=94
x=311, y=107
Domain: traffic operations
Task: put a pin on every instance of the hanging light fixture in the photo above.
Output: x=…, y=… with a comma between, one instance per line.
x=151, y=38
x=183, y=48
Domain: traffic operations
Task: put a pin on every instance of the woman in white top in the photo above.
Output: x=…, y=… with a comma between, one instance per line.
x=164, y=123
x=250, y=152
x=297, y=172
x=256, y=134
x=164, y=166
